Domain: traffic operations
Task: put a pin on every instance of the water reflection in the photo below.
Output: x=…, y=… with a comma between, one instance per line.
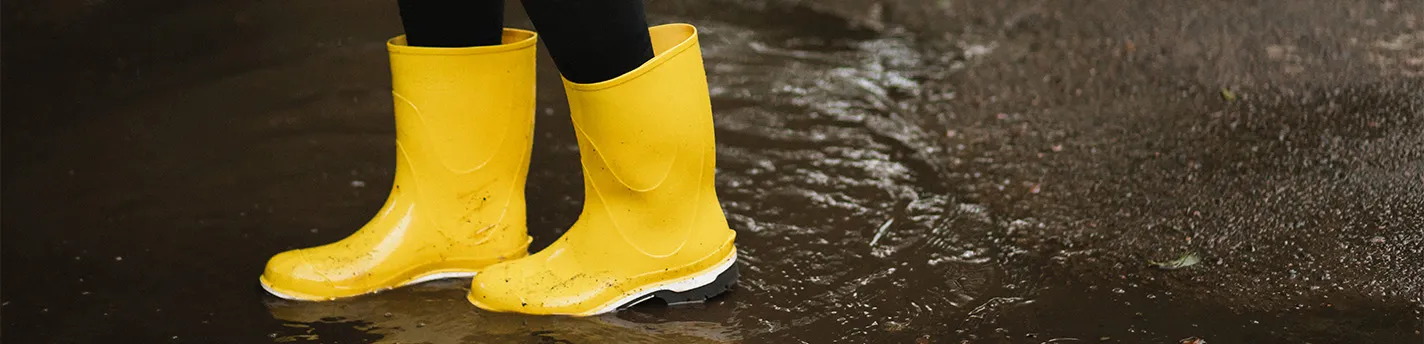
x=437, y=313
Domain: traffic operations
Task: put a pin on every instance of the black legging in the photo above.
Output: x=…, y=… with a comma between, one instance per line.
x=590, y=40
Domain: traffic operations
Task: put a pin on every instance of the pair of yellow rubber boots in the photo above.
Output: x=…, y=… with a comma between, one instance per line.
x=651, y=225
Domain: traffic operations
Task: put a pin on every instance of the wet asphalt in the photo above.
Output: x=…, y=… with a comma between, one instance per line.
x=899, y=171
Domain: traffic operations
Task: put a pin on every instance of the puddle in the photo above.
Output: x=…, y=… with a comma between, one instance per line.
x=1002, y=180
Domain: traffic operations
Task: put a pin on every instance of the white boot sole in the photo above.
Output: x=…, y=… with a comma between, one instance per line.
x=417, y=280
x=644, y=293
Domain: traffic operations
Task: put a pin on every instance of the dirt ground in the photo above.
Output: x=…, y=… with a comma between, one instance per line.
x=899, y=171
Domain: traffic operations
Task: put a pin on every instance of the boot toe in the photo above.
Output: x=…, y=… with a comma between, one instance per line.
x=525, y=286
x=496, y=289
x=290, y=275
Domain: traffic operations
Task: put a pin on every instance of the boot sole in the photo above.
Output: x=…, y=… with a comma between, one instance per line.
x=421, y=279
x=692, y=289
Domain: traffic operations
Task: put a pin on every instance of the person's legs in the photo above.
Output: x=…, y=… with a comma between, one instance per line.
x=452, y=23
x=592, y=41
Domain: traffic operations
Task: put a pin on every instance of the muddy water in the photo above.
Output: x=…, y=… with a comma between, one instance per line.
x=998, y=173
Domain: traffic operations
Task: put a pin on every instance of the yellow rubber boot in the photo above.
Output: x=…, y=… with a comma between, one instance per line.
x=464, y=129
x=651, y=225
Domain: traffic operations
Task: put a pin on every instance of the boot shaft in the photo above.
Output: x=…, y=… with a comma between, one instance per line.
x=464, y=132
x=647, y=144
x=464, y=106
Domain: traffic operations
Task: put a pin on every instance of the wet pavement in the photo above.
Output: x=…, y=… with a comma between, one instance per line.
x=899, y=171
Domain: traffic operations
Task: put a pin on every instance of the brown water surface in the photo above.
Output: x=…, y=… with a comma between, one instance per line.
x=904, y=172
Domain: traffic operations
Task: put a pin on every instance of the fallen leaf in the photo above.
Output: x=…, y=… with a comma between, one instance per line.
x=1185, y=260
x=1193, y=340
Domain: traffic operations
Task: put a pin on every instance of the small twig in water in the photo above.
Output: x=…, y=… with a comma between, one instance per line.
x=881, y=231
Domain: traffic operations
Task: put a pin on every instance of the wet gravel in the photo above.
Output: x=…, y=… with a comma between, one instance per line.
x=899, y=171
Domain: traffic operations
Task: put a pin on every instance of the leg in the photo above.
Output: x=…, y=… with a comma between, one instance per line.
x=452, y=24
x=592, y=41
